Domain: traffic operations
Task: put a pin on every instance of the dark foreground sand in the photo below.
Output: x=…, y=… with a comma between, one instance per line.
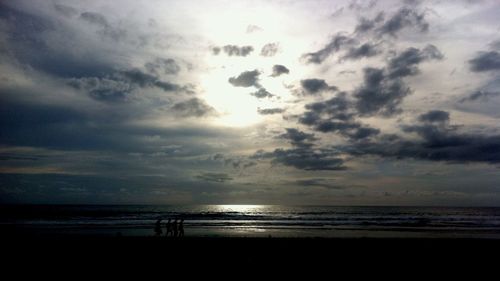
x=81, y=255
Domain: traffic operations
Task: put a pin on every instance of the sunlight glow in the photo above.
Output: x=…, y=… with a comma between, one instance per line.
x=235, y=105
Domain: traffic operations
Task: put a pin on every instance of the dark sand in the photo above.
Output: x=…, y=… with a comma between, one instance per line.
x=356, y=257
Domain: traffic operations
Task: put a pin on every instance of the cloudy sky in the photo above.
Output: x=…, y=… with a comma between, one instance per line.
x=250, y=102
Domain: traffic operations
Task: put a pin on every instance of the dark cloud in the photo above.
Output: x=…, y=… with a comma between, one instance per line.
x=67, y=11
x=65, y=128
x=433, y=125
x=238, y=163
x=406, y=17
x=163, y=66
x=103, y=89
x=485, y=61
x=309, y=118
x=479, y=95
x=233, y=50
x=170, y=87
x=351, y=130
x=279, y=69
x=214, y=177
x=362, y=5
x=338, y=41
x=438, y=141
x=445, y=145
x=336, y=107
x=326, y=115
x=193, y=107
x=304, y=158
x=105, y=28
x=270, y=111
x=403, y=18
x=54, y=127
x=143, y=80
x=413, y=2
x=94, y=18
x=24, y=21
x=383, y=90
x=379, y=94
x=362, y=133
x=246, y=79
x=314, y=86
x=365, y=24
x=216, y=50
x=405, y=64
x=327, y=126
x=495, y=45
x=320, y=182
x=335, y=116
x=262, y=93
x=120, y=85
x=269, y=50
x=31, y=40
x=435, y=116
x=23, y=116
x=365, y=50
x=235, y=162
x=136, y=76
x=298, y=138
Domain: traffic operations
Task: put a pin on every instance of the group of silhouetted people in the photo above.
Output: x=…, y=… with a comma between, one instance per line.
x=174, y=229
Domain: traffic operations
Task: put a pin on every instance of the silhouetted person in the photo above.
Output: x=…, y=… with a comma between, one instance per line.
x=174, y=227
x=181, y=228
x=169, y=228
x=158, y=227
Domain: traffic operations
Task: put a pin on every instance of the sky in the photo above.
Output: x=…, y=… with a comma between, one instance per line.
x=250, y=102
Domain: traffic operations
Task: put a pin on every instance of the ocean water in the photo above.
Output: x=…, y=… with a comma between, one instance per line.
x=255, y=220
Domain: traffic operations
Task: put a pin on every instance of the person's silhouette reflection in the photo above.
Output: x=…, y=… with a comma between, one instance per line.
x=169, y=228
x=158, y=227
x=174, y=227
x=181, y=228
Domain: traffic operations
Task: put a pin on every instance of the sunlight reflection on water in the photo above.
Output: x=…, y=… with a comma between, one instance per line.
x=239, y=208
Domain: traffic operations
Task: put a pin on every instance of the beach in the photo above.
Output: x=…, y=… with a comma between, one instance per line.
x=149, y=254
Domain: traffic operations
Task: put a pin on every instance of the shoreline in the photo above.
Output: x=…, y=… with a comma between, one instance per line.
x=249, y=232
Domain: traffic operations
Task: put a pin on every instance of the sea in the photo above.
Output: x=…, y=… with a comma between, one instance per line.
x=255, y=221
